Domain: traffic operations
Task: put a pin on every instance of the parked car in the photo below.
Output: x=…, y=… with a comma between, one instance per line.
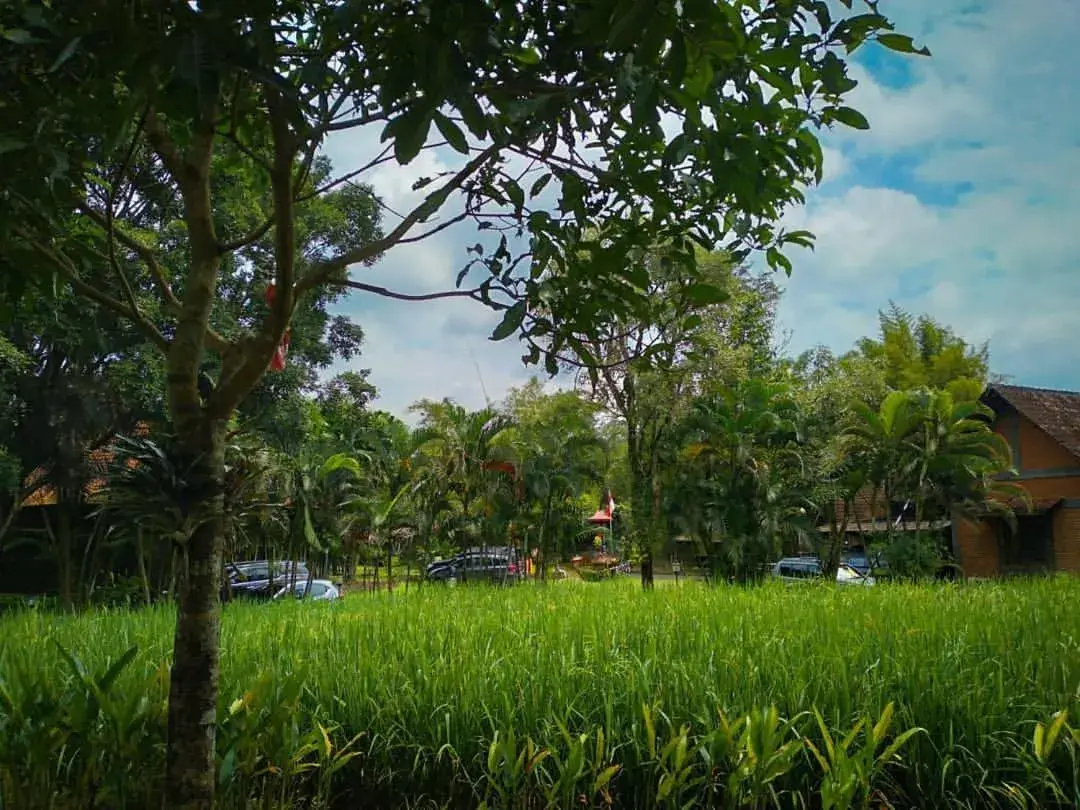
x=498, y=565
x=863, y=562
x=802, y=569
x=252, y=579
x=322, y=590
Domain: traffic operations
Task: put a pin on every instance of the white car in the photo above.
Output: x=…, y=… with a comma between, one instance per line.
x=801, y=569
x=321, y=590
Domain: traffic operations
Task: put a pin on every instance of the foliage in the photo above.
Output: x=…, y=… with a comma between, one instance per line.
x=919, y=352
x=735, y=443
x=643, y=700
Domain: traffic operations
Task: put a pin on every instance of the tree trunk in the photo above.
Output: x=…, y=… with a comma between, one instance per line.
x=140, y=556
x=193, y=682
x=60, y=539
x=647, y=571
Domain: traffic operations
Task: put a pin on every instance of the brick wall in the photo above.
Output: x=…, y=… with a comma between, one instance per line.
x=977, y=548
x=1067, y=540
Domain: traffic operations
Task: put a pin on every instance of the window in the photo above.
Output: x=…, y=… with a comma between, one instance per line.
x=1028, y=547
x=318, y=589
x=799, y=570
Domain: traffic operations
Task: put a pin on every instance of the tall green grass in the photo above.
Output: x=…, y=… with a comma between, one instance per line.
x=582, y=693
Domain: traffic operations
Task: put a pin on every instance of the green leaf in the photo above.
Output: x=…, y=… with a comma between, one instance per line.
x=228, y=767
x=901, y=43
x=702, y=294
x=410, y=132
x=473, y=114
x=778, y=260
x=10, y=144
x=511, y=321
x=452, y=132
x=514, y=192
x=527, y=56
x=850, y=117
x=540, y=185
x=65, y=54
x=19, y=36
x=105, y=682
x=802, y=238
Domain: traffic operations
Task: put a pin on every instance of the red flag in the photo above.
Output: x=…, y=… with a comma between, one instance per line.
x=277, y=362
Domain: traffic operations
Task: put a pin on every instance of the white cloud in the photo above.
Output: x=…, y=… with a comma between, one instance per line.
x=979, y=229
x=436, y=350
x=836, y=164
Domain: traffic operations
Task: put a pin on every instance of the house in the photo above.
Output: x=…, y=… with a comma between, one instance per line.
x=1042, y=427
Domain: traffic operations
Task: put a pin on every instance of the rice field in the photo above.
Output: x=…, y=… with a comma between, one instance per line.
x=572, y=695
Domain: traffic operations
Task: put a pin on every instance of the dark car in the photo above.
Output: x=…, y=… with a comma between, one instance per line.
x=252, y=579
x=497, y=565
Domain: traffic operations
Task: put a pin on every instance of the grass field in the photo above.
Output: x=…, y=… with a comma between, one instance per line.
x=571, y=694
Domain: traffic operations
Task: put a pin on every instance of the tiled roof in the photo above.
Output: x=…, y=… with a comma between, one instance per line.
x=98, y=461
x=1055, y=412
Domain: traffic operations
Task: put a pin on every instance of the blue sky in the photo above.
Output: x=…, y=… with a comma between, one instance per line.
x=962, y=201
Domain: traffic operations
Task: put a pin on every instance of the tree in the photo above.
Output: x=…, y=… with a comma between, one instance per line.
x=645, y=371
x=881, y=443
x=115, y=106
x=557, y=454
x=919, y=352
x=830, y=478
x=957, y=458
x=940, y=456
x=735, y=441
x=456, y=450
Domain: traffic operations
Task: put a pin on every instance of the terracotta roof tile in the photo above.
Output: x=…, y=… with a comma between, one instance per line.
x=98, y=461
x=1055, y=412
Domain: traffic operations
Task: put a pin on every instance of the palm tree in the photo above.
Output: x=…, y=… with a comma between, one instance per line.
x=959, y=458
x=737, y=440
x=554, y=467
x=937, y=453
x=315, y=490
x=456, y=447
x=880, y=443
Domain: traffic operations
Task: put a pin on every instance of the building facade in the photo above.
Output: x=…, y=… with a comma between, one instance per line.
x=1042, y=428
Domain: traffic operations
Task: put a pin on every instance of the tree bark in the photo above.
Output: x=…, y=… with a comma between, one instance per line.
x=193, y=684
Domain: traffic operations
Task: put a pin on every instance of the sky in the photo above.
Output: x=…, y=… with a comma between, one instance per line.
x=962, y=201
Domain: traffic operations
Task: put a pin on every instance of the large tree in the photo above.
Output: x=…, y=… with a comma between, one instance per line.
x=119, y=104
x=646, y=370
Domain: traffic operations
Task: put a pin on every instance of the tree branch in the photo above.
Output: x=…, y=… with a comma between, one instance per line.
x=164, y=146
x=67, y=269
x=157, y=273
x=384, y=156
x=259, y=350
x=441, y=227
x=435, y=296
x=251, y=236
x=322, y=271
